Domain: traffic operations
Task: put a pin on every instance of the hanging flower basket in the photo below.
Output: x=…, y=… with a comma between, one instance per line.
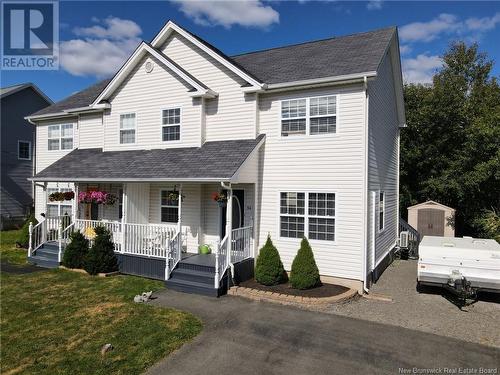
x=220, y=198
x=174, y=196
x=60, y=196
x=97, y=197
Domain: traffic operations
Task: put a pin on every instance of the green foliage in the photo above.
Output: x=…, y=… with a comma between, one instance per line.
x=450, y=151
x=489, y=225
x=101, y=256
x=76, y=251
x=269, y=269
x=24, y=234
x=305, y=273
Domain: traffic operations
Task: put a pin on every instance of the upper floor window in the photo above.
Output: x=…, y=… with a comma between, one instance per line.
x=171, y=124
x=127, y=128
x=24, y=150
x=309, y=116
x=169, y=208
x=381, y=210
x=60, y=137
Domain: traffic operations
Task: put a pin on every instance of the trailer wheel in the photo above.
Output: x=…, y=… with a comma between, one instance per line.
x=419, y=287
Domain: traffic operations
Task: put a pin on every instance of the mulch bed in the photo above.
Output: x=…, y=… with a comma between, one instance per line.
x=325, y=290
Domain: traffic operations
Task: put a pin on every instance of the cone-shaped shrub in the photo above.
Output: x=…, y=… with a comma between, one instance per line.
x=76, y=251
x=305, y=272
x=269, y=269
x=24, y=235
x=101, y=256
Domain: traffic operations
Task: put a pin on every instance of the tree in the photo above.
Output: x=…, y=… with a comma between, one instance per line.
x=24, y=234
x=305, y=273
x=450, y=151
x=101, y=256
x=76, y=251
x=268, y=268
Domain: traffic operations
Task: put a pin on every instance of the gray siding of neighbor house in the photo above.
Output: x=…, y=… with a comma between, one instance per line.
x=16, y=190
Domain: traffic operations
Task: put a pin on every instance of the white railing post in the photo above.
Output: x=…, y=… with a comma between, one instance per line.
x=30, y=245
x=216, y=279
x=167, y=269
x=59, y=239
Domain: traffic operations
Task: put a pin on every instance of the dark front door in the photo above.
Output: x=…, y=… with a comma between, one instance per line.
x=430, y=222
x=238, y=212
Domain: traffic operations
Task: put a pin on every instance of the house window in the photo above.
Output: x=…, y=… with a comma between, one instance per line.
x=24, y=150
x=171, y=128
x=309, y=116
x=55, y=209
x=169, y=208
x=60, y=137
x=120, y=203
x=293, y=117
x=321, y=216
x=316, y=222
x=127, y=128
x=381, y=211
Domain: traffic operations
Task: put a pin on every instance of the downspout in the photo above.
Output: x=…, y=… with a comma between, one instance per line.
x=365, y=188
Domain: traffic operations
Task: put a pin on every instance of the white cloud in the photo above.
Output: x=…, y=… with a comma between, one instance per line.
x=421, y=69
x=249, y=13
x=404, y=49
x=428, y=31
x=483, y=24
x=102, y=48
x=374, y=5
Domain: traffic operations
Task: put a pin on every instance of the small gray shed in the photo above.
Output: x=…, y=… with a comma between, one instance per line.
x=432, y=219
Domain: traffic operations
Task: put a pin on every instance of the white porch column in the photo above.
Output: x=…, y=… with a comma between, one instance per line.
x=229, y=222
x=179, y=217
x=124, y=216
x=75, y=203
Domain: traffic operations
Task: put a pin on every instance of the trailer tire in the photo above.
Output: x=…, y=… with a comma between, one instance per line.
x=419, y=287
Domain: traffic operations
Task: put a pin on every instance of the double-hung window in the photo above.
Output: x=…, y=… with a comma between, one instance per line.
x=171, y=124
x=127, y=128
x=381, y=210
x=169, y=208
x=309, y=116
x=58, y=208
x=24, y=150
x=60, y=137
x=307, y=214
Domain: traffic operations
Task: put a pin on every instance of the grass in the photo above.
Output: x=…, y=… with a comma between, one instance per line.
x=8, y=250
x=57, y=321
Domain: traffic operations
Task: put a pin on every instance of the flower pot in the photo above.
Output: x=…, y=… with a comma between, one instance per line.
x=205, y=249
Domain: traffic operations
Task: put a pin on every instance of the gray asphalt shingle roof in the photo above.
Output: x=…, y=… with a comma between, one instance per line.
x=213, y=160
x=357, y=53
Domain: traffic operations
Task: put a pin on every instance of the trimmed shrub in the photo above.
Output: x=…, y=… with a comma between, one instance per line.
x=76, y=251
x=304, y=274
x=101, y=256
x=24, y=236
x=269, y=269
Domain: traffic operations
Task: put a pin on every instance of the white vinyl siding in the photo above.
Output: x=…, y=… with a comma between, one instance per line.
x=309, y=116
x=316, y=164
x=231, y=115
x=91, y=131
x=171, y=124
x=383, y=155
x=60, y=137
x=127, y=128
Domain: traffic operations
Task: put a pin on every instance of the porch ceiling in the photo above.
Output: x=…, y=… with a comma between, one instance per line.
x=214, y=161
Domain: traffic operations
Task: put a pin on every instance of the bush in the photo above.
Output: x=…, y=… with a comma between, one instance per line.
x=305, y=274
x=101, y=256
x=76, y=251
x=24, y=235
x=269, y=269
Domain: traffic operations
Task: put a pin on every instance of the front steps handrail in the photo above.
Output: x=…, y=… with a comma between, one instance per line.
x=36, y=236
x=174, y=249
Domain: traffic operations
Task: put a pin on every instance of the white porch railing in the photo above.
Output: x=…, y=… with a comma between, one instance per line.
x=221, y=261
x=241, y=244
x=174, y=251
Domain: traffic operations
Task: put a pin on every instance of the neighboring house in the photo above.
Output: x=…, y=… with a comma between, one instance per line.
x=432, y=219
x=17, y=150
x=303, y=139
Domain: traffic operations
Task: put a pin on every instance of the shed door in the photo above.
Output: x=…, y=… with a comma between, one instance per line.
x=431, y=222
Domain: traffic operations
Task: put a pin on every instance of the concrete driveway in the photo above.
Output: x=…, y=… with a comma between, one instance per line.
x=247, y=337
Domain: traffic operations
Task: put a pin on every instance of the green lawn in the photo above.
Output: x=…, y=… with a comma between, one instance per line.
x=57, y=321
x=8, y=250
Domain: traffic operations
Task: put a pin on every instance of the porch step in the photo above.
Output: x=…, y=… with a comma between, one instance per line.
x=43, y=261
x=194, y=275
x=192, y=287
x=48, y=251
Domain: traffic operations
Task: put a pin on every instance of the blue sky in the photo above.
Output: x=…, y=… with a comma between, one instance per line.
x=97, y=36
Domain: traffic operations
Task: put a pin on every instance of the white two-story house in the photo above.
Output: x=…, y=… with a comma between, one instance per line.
x=302, y=140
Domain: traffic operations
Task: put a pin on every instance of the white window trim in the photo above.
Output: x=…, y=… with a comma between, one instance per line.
x=120, y=129
x=161, y=206
x=380, y=230
x=179, y=124
x=59, y=203
x=306, y=216
x=308, y=118
x=28, y=142
x=61, y=137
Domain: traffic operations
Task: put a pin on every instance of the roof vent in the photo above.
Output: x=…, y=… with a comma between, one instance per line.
x=148, y=67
